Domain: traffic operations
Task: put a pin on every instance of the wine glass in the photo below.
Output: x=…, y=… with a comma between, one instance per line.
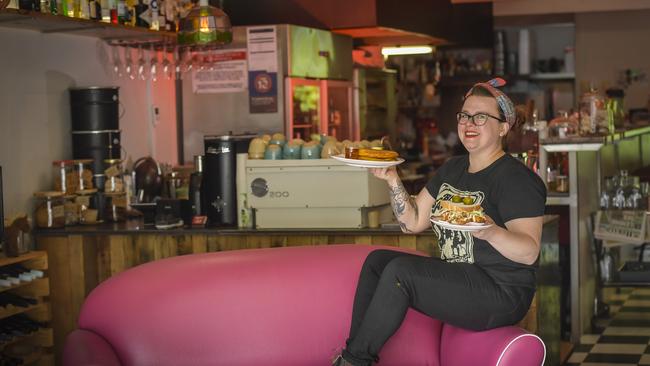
x=129, y=68
x=178, y=63
x=117, y=62
x=167, y=68
x=153, y=63
x=141, y=64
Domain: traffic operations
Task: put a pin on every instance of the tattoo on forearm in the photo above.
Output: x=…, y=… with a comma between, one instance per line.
x=400, y=200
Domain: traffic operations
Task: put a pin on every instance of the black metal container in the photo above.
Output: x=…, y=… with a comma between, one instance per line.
x=219, y=177
x=95, y=108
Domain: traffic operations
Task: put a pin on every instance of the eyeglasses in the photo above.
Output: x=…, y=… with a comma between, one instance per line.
x=479, y=119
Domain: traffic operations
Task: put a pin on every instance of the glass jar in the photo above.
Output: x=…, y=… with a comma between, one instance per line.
x=593, y=115
x=83, y=174
x=114, y=176
x=115, y=207
x=71, y=210
x=562, y=183
x=85, y=201
x=563, y=126
x=49, y=211
x=62, y=172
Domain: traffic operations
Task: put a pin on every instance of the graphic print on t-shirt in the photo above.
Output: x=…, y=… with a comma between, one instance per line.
x=455, y=246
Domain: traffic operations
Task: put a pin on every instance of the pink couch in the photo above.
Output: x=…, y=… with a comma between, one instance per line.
x=280, y=306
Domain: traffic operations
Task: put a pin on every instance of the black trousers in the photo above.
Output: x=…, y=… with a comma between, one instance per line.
x=460, y=294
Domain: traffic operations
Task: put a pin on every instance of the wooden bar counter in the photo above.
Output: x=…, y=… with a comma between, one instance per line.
x=82, y=257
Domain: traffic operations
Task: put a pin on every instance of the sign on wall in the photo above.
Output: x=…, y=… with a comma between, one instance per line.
x=226, y=73
x=262, y=69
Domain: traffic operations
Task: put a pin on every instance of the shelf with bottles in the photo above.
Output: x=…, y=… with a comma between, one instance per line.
x=49, y=23
x=129, y=29
x=25, y=312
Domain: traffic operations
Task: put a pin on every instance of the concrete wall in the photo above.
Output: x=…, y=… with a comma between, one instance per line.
x=36, y=71
x=608, y=43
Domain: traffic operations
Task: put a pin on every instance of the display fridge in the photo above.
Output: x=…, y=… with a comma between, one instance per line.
x=323, y=107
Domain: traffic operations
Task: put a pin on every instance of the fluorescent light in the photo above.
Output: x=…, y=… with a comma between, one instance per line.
x=406, y=50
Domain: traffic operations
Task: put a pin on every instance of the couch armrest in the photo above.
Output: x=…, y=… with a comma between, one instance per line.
x=83, y=347
x=507, y=346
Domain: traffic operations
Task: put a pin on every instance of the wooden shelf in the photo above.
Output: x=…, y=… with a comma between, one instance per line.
x=36, y=254
x=41, y=341
x=43, y=337
x=40, y=285
x=48, y=23
x=15, y=310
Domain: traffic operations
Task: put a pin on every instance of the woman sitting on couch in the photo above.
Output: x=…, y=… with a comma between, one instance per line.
x=485, y=278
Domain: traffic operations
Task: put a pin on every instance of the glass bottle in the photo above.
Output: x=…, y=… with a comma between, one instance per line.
x=112, y=8
x=121, y=11
x=106, y=10
x=615, y=109
x=155, y=21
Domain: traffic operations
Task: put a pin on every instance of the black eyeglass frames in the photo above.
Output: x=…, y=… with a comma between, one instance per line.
x=479, y=119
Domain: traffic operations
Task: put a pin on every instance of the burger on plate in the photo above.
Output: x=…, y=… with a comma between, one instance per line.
x=461, y=211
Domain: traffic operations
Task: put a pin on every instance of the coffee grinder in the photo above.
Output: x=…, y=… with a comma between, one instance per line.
x=219, y=177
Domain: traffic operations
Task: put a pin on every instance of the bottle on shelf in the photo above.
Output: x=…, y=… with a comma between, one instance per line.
x=84, y=9
x=121, y=12
x=54, y=7
x=105, y=10
x=130, y=13
x=155, y=21
x=140, y=8
x=95, y=10
x=112, y=8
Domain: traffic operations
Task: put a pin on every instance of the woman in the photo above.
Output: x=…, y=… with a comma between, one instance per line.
x=484, y=279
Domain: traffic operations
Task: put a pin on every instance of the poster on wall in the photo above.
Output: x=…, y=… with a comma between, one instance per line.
x=262, y=69
x=227, y=73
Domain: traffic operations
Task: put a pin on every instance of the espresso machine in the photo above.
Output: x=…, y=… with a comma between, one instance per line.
x=219, y=177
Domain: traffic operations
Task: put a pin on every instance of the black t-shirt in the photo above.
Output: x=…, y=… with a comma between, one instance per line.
x=506, y=190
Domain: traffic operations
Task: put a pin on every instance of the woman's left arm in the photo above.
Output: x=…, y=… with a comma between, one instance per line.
x=519, y=242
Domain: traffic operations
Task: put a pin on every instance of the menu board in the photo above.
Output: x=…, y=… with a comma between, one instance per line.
x=626, y=227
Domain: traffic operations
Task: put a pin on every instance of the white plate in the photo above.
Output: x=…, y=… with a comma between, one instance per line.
x=466, y=227
x=367, y=163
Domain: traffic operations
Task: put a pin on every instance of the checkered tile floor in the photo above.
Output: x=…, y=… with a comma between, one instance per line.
x=625, y=341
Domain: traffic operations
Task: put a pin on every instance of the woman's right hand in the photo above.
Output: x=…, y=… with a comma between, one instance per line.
x=388, y=174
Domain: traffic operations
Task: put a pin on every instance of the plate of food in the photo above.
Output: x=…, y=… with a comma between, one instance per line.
x=370, y=158
x=462, y=214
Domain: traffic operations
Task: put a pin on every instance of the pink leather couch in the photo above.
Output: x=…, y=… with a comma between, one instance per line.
x=280, y=306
